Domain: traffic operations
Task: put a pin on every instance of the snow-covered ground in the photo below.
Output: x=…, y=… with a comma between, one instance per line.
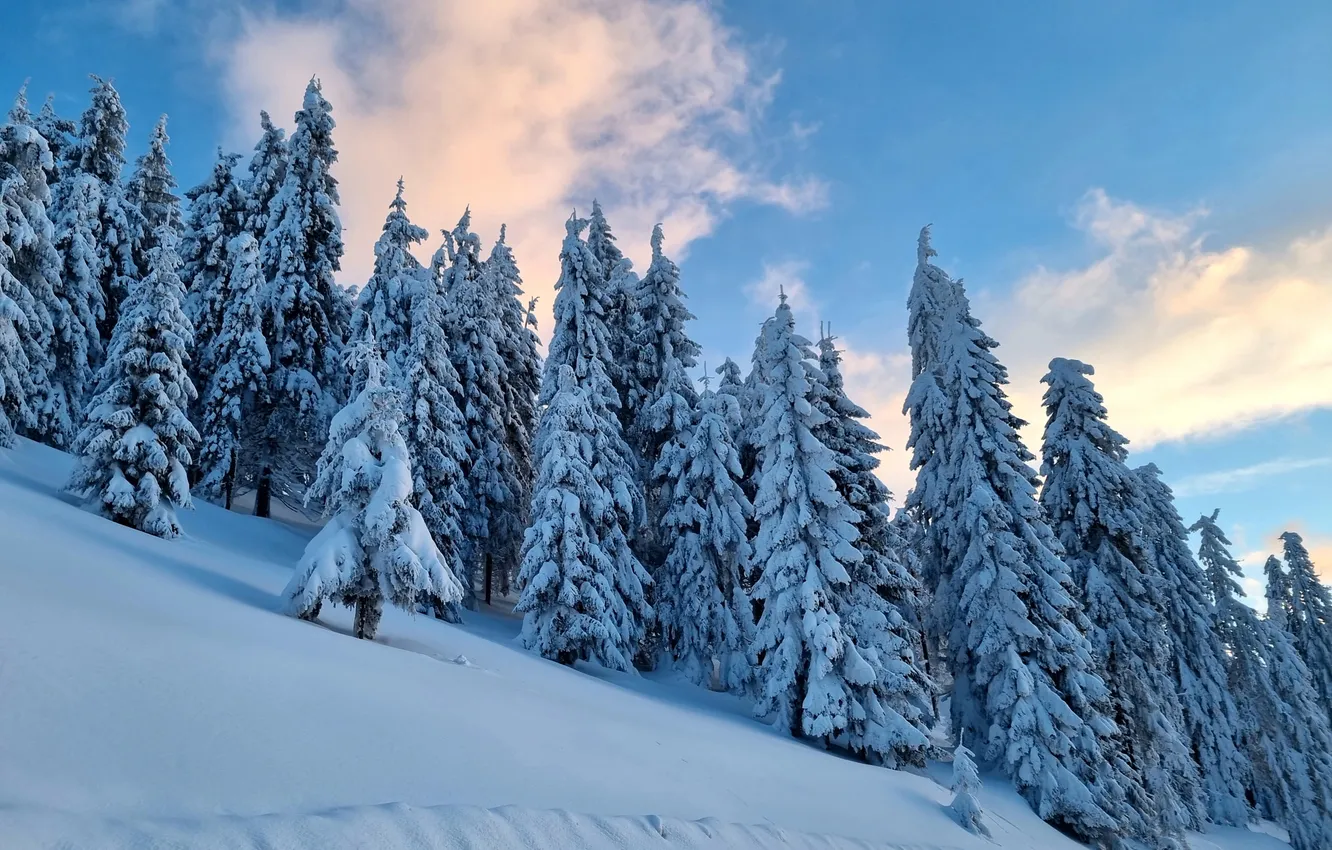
x=150, y=697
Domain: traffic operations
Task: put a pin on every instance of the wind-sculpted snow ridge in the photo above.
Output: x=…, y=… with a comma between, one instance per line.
x=396, y=825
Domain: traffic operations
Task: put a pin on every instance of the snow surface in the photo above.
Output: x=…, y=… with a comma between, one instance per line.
x=151, y=696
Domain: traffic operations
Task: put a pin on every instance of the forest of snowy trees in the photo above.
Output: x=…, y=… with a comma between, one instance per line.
x=1055, y=619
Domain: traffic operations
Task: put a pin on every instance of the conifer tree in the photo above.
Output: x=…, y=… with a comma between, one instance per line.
x=307, y=311
x=473, y=325
x=384, y=304
x=29, y=280
x=238, y=380
x=965, y=785
x=804, y=551
x=216, y=217
x=375, y=547
x=1310, y=620
x=59, y=135
x=135, y=447
x=518, y=349
x=661, y=395
x=151, y=193
x=730, y=383
x=583, y=588
x=1197, y=662
x=1021, y=665
x=1285, y=733
x=616, y=288
x=1279, y=606
x=94, y=234
x=702, y=606
x=1093, y=503
x=267, y=173
x=435, y=432
x=879, y=604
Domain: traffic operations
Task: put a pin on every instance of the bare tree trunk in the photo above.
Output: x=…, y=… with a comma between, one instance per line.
x=230, y=485
x=263, y=494
x=489, y=571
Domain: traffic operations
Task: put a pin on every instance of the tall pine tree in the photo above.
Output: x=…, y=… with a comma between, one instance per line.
x=518, y=348
x=583, y=588
x=1093, y=504
x=616, y=288
x=704, y=612
x=267, y=173
x=307, y=312
x=135, y=447
x=216, y=217
x=151, y=192
x=890, y=716
x=491, y=522
x=1197, y=663
x=1310, y=620
x=238, y=377
x=1285, y=732
x=29, y=280
x=384, y=304
x=94, y=229
x=1022, y=668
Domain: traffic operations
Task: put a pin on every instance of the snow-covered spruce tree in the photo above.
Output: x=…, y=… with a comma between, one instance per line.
x=375, y=547
x=932, y=291
x=435, y=432
x=238, y=381
x=59, y=135
x=151, y=192
x=730, y=383
x=491, y=523
x=1310, y=620
x=1285, y=731
x=307, y=312
x=661, y=394
x=582, y=587
x=1279, y=607
x=803, y=552
x=519, y=348
x=94, y=234
x=29, y=278
x=216, y=217
x=384, y=304
x=1023, y=673
x=134, y=449
x=267, y=173
x=1197, y=662
x=1092, y=501
x=965, y=785
x=583, y=598
x=890, y=716
x=617, y=287
x=704, y=612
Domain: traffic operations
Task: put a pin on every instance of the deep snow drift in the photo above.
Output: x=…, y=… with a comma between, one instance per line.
x=151, y=696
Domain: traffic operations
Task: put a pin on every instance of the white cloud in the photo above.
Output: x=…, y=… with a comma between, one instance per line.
x=1187, y=340
x=786, y=277
x=1243, y=478
x=522, y=109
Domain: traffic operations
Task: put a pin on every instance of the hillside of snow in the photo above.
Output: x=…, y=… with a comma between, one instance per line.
x=151, y=697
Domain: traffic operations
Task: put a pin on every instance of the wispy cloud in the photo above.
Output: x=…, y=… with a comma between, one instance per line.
x=785, y=277
x=1244, y=477
x=1187, y=340
x=524, y=109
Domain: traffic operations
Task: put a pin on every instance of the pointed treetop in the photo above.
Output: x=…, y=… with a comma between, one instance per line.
x=265, y=121
x=465, y=223
x=20, y=113
x=657, y=239
x=574, y=226
x=923, y=249
x=781, y=294
x=1291, y=538
x=504, y=232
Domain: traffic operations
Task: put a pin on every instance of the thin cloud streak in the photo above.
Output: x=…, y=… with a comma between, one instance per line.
x=1245, y=477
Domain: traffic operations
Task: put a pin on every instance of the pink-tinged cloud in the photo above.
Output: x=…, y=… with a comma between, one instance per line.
x=522, y=109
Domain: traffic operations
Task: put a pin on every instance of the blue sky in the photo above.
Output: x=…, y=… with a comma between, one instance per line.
x=1142, y=185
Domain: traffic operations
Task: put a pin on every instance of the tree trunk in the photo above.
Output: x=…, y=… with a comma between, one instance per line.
x=368, y=612
x=798, y=709
x=263, y=494
x=489, y=571
x=229, y=485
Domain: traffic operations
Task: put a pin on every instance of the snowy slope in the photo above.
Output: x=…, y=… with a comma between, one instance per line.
x=150, y=697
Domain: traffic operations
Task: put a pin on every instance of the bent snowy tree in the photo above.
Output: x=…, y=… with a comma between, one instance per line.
x=375, y=546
